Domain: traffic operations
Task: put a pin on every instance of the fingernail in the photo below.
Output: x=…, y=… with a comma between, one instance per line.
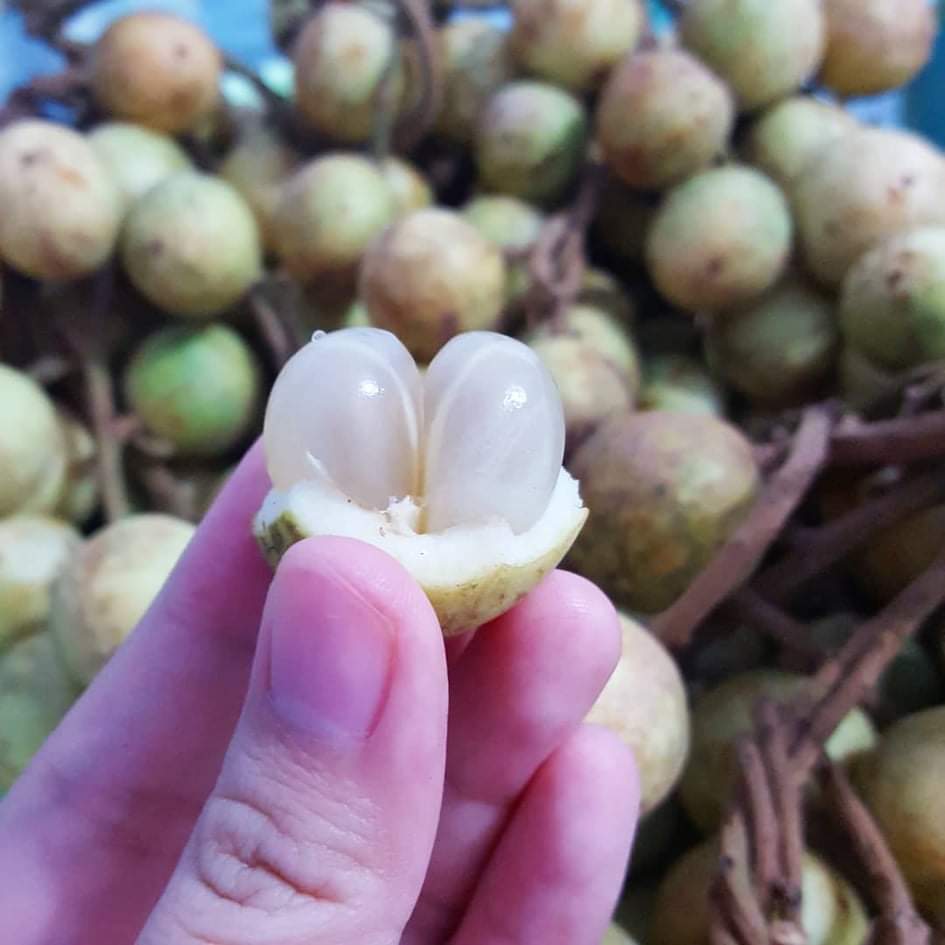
x=331, y=655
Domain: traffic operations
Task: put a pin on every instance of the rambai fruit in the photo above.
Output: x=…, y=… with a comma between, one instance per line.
x=679, y=382
x=457, y=475
x=408, y=187
x=80, y=494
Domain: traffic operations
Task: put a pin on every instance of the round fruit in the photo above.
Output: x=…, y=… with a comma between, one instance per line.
x=862, y=382
x=429, y=277
x=33, y=550
x=875, y=45
x=790, y=135
x=662, y=116
x=61, y=210
x=107, y=586
x=720, y=239
x=778, y=350
x=864, y=186
x=191, y=245
x=80, y=495
x=763, y=50
x=601, y=291
x=408, y=187
x=723, y=714
x=893, y=304
x=644, y=702
x=341, y=58
x=329, y=212
x=136, y=157
x=664, y=491
x=901, y=783
x=680, y=383
x=33, y=455
x=574, y=43
x=157, y=70
x=530, y=141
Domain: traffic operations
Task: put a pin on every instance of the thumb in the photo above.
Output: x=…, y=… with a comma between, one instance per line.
x=322, y=820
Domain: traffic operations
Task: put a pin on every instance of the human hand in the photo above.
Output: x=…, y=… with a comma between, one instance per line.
x=272, y=765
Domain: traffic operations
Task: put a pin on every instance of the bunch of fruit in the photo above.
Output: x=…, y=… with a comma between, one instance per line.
x=690, y=231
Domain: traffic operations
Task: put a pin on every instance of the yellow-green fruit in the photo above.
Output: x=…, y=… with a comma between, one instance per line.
x=865, y=186
x=35, y=693
x=600, y=290
x=198, y=389
x=431, y=276
x=33, y=550
x=719, y=239
x=662, y=116
x=80, y=494
x=328, y=213
x=61, y=208
x=33, y=454
x=137, y=158
x=764, y=50
x=530, y=141
x=790, y=135
x=409, y=189
x=680, y=383
x=191, y=245
x=875, y=45
x=831, y=912
x=644, y=702
x=725, y=713
x=157, y=70
x=341, y=58
x=574, y=43
x=107, y=586
x=901, y=783
x=664, y=490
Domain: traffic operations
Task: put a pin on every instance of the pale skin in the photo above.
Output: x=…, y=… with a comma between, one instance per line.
x=264, y=761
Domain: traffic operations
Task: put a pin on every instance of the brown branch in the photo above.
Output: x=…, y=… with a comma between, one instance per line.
x=902, y=440
x=418, y=120
x=735, y=909
x=749, y=607
x=44, y=18
x=280, y=334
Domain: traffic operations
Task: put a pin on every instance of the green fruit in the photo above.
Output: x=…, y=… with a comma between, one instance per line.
x=199, y=389
x=865, y=186
x=723, y=714
x=80, y=495
x=720, y=239
x=408, y=187
x=136, y=157
x=662, y=116
x=33, y=454
x=430, y=276
x=764, y=50
x=779, y=350
x=862, y=382
x=530, y=141
x=664, y=491
x=574, y=43
x=61, y=209
x=191, y=245
x=893, y=303
x=35, y=693
x=677, y=382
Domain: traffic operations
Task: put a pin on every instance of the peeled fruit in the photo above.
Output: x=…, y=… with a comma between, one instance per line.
x=720, y=239
x=644, y=702
x=901, y=783
x=80, y=494
x=865, y=186
x=328, y=213
x=790, y=135
x=875, y=45
x=191, y=245
x=831, y=912
x=136, y=157
x=61, y=209
x=764, y=50
x=33, y=550
x=156, y=69
x=457, y=475
x=530, y=141
x=779, y=350
x=35, y=693
x=107, y=586
x=664, y=491
x=574, y=43
x=408, y=188
x=723, y=714
x=893, y=303
x=33, y=452
x=341, y=58
x=198, y=389
x=430, y=276
x=662, y=116
x=678, y=382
